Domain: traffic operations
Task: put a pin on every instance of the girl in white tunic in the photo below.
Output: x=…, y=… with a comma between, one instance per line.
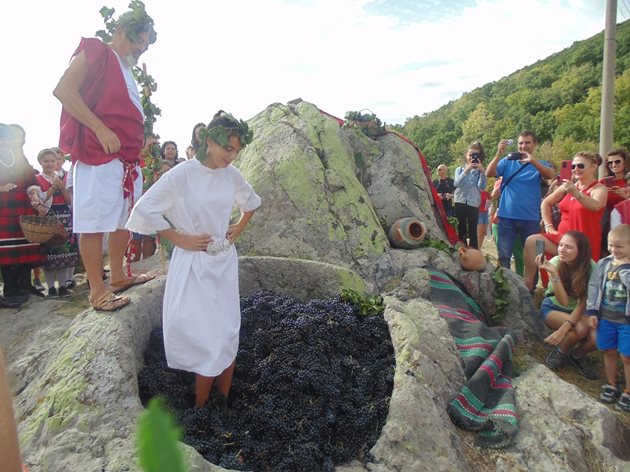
x=201, y=315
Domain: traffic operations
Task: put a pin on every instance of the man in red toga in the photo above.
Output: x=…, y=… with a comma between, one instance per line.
x=102, y=127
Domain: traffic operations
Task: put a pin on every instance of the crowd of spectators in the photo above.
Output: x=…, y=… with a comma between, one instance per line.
x=553, y=229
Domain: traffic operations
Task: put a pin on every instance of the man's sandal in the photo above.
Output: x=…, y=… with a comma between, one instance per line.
x=109, y=302
x=121, y=286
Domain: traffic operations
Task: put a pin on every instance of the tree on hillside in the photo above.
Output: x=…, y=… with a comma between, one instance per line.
x=557, y=98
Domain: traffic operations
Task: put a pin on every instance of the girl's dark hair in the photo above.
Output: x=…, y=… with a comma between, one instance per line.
x=625, y=156
x=164, y=144
x=477, y=146
x=194, y=142
x=575, y=278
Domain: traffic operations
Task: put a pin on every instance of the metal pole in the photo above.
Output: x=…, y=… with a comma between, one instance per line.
x=608, y=83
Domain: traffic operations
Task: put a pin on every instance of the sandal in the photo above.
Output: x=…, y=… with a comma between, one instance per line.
x=108, y=302
x=123, y=285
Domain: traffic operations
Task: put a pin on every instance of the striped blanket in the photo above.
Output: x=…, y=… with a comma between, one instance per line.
x=486, y=401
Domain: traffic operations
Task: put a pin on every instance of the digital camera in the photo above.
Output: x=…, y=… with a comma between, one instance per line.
x=514, y=156
x=475, y=157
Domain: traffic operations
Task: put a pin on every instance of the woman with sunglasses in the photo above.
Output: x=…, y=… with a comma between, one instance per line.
x=617, y=166
x=581, y=204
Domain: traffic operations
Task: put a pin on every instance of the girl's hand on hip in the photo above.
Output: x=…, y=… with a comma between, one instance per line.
x=193, y=242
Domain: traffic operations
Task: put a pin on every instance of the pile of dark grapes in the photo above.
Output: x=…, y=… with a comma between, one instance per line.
x=311, y=388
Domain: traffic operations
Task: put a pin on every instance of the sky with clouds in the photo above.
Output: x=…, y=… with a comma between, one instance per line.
x=397, y=58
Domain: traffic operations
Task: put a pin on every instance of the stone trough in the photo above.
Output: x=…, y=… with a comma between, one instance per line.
x=79, y=413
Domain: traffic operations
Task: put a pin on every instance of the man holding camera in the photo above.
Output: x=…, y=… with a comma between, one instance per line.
x=519, y=205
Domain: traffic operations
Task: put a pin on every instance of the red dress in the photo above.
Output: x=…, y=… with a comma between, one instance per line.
x=575, y=217
x=613, y=198
x=14, y=248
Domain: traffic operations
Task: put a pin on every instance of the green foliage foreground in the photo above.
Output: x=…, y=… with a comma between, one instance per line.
x=157, y=440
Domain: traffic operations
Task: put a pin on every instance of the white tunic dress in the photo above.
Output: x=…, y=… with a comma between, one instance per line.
x=201, y=314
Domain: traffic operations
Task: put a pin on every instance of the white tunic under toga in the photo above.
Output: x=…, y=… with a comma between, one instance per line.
x=201, y=314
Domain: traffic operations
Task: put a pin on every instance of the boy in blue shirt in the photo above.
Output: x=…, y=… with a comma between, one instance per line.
x=609, y=312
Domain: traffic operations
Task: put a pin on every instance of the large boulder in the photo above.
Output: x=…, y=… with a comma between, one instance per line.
x=330, y=193
x=314, y=207
x=391, y=172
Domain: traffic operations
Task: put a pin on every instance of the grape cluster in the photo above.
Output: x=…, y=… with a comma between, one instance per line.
x=311, y=388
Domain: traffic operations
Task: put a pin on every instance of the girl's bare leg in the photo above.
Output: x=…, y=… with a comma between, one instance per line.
x=203, y=385
x=224, y=380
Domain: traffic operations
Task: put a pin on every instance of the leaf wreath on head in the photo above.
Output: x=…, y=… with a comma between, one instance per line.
x=137, y=21
x=221, y=133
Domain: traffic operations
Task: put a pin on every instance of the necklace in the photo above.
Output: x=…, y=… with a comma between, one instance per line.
x=2, y=159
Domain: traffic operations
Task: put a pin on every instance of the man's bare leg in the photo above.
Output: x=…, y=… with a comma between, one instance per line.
x=91, y=248
x=118, y=241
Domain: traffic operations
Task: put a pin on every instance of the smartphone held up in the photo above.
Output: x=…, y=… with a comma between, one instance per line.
x=609, y=181
x=565, y=171
x=540, y=249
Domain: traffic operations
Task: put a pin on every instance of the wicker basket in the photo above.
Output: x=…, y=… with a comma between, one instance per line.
x=43, y=230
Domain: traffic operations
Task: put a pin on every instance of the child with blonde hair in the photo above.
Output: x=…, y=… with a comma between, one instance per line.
x=609, y=312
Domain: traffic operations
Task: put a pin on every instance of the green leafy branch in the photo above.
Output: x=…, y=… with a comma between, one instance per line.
x=369, y=304
x=502, y=291
x=107, y=34
x=148, y=86
x=437, y=244
x=367, y=123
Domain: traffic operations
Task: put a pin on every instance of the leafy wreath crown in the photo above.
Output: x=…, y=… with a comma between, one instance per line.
x=221, y=133
x=133, y=22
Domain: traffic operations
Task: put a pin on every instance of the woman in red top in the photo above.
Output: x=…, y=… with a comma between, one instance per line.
x=617, y=165
x=581, y=204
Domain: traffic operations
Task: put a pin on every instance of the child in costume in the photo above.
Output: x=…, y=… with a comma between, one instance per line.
x=190, y=206
x=60, y=260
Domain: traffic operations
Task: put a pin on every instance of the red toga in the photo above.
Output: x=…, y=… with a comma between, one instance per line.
x=105, y=93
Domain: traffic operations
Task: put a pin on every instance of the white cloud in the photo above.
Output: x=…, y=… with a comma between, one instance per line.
x=244, y=55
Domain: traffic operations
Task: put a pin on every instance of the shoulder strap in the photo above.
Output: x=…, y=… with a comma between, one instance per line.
x=505, y=182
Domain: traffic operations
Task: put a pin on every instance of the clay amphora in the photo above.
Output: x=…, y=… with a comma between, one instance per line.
x=407, y=233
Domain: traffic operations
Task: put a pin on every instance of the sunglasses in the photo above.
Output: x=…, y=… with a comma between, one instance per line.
x=616, y=162
x=578, y=165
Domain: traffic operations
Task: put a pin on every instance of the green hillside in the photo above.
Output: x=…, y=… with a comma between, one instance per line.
x=558, y=98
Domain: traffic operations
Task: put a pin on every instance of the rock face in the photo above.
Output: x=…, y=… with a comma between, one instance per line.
x=329, y=195
x=565, y=430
